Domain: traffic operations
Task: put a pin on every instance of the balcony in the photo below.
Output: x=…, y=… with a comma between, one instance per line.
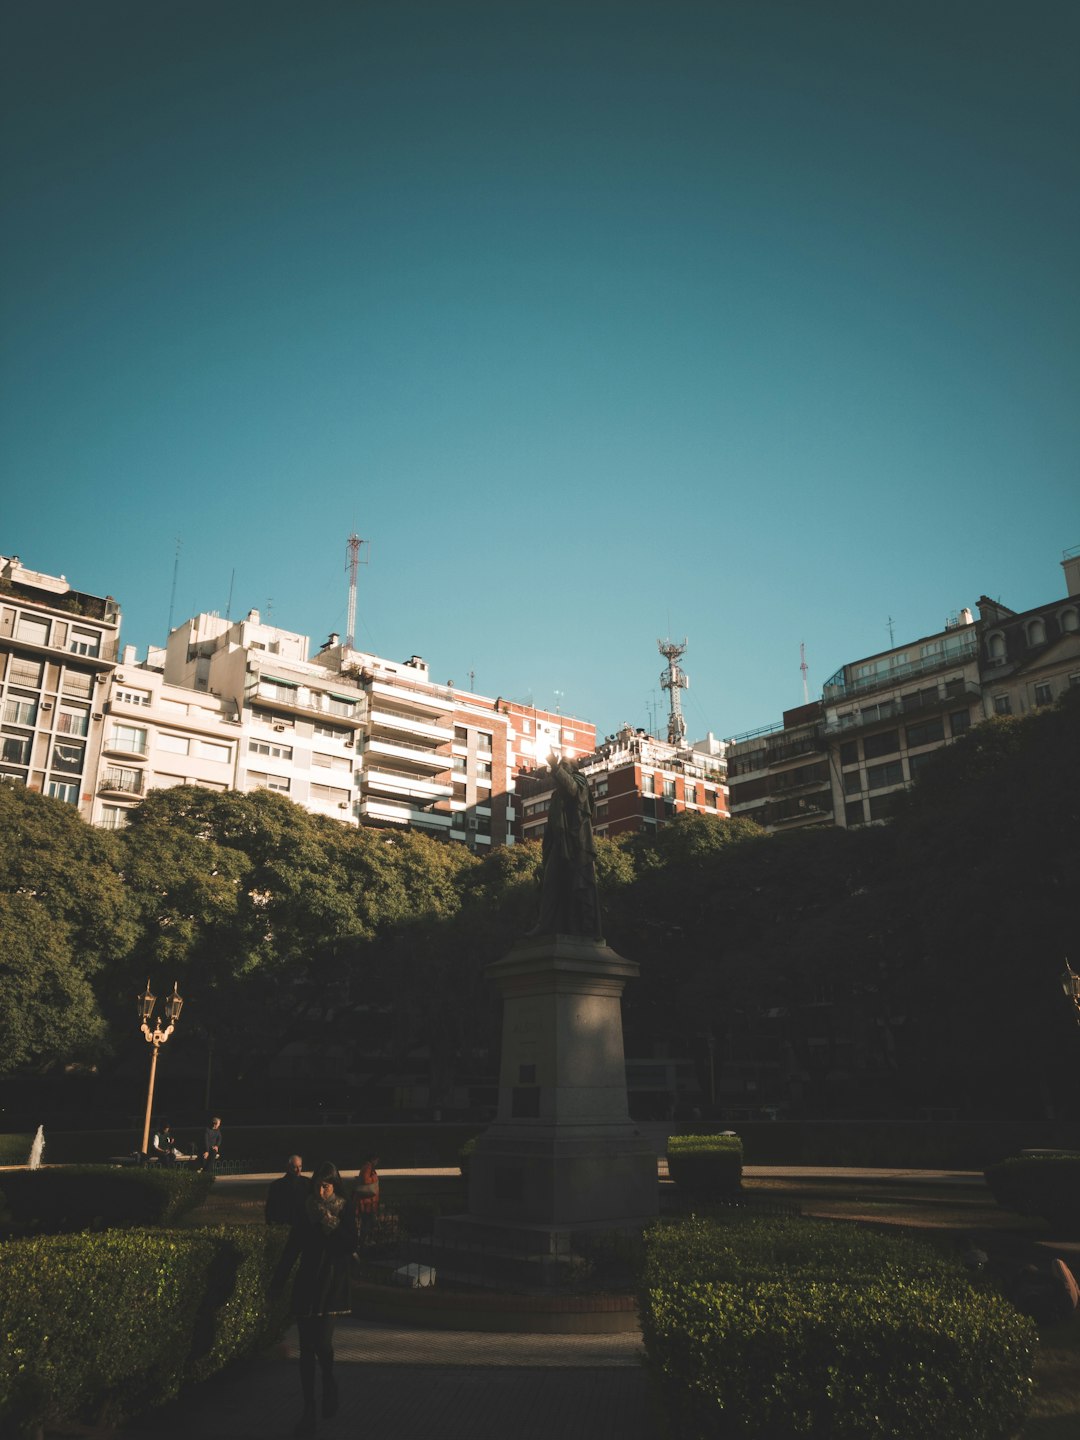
x=906, y=707
x=400, y=697
x=806, y=777
x=406, y=786
x=805, y=745
x=393, y=724
x=301, y=700
x=838, y=688
x=407, y=755
x=122, y=782
x=807, y=809
x=119, y=743
x=382, y=812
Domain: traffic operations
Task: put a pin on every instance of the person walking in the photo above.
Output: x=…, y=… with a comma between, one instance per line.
x=285, y=1197
x=322, y=1239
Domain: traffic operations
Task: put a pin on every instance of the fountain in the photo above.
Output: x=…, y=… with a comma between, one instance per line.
x=37, y=1149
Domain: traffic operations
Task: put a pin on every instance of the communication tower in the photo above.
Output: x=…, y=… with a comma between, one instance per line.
x=674, y=679
x=352, y=563
x=805, y=672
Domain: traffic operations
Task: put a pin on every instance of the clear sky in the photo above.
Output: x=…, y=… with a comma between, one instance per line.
x=755, y=323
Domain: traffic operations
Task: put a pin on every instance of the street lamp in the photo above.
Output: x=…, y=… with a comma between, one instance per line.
x=1070, y=983
x=156, y=1037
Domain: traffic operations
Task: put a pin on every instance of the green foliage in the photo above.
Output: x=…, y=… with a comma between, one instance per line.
x=104, y=1326
x=708, y=1166
x=1044, y=1185
x=68, y=1198
x=15, y=1149
x=759, y=1331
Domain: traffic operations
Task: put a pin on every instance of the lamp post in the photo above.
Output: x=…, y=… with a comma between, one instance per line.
x=156, y=1037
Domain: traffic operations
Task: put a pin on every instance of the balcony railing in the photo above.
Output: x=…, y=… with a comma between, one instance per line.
x=905, y=708
x=840, y=689
x=122, y=782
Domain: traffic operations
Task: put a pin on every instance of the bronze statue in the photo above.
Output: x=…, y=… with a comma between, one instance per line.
x=569, y=904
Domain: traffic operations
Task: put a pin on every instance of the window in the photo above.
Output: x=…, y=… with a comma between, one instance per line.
x=262, y=781
x=849, y=752
x=959, y=721
x=279, y=722
x=601, y=810
x=689, y=793
x=852, y=782
x=331, y=762
x=209, y=750
x=113, y=817
x=32, y=630
x=25, y=672
x=1002, y=705
x=20, y=709
x=878, y=776
x=341, y=707
x=124, y=696
x=648, y=785
x=461, y=763
x=917, y=763
x=174, y=744
x=1044, y=695
x=64, y=790
x=483, y=742
x=881, y=806
x=78, y=683
x=1036, y=633
x=67, y=758
x=330, y=794
x=331, y=732
x=995, y=647
x=887, y=743
x=15, y=749
x=483, y=771
x=73, y=720
x=855, y=812
x=84, y=642
x=277, y=690
x=267, y=747
x=128, y=737
x=930, y=732
x=1070, y=620
x=461, y=735
x=648, y=806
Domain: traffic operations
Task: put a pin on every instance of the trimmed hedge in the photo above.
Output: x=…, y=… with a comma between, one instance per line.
x=778, y=1329
x=706, y=1165
x=15, y=1149
x=80, y=1197
x=100, y=1327
x=1044, y=1185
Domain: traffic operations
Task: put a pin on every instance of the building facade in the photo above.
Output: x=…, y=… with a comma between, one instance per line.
x=638, y=783
x=1028, y=659
x=58, y=649
x=780, y=776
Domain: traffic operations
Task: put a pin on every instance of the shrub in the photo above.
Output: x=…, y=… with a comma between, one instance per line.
x=81, y=1197
x=709, y=1166
x=1044, y=1185
x=777, y=1329
x=103, y=1326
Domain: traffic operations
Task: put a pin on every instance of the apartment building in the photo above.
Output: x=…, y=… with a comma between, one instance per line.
x=159, y=735
x=780, y=776
x=58, y=648
x=638, y=783
x=1028, y=658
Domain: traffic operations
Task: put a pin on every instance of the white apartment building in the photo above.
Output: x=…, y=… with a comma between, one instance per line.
x=58, y=648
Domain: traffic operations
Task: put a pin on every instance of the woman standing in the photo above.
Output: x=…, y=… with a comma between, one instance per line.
x=322, y=1238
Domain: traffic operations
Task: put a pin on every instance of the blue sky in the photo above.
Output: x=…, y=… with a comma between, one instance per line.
x=754, y=323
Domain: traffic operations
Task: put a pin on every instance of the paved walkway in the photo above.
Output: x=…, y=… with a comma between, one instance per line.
x=405, y=1384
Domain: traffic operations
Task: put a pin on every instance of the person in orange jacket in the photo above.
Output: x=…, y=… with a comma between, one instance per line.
x=366, y=1197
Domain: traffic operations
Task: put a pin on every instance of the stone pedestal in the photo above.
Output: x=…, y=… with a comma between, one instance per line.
x=562, y=1153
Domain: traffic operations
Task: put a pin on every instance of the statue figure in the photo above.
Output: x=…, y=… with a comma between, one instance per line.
x=568, y=900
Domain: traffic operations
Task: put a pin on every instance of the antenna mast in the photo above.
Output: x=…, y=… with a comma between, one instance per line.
x=352, y=562
x=674, y=679
x=805, y=671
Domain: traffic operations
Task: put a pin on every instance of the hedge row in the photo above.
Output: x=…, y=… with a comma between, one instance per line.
x=82, y=1197
x=1044, y=1185
x=709, y=1166
x=100, y=1327
x=777, y=1329
x=15, y=1149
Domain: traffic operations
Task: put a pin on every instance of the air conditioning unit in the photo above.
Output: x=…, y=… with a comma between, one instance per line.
x=46, y=704
x=343, y=804
x=280, y=729
x=97, y=715
x=349, y=744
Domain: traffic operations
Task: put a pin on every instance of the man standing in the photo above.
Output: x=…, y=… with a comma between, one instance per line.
x=211, y=1146
x=285, y=1198
x=568, y=898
